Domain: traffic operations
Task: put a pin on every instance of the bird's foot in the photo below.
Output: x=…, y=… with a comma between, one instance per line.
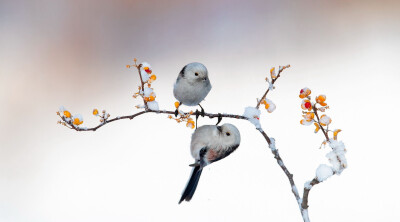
x=176, y=112
x=202, y=111
x=219, y=118
x=197, y=113
x=194, y=164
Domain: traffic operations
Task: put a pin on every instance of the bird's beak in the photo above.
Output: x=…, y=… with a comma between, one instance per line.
x=219, y=128
x=205, y=79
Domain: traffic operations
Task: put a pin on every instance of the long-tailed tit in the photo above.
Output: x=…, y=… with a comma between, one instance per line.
x=192, y=85
x=209, y=144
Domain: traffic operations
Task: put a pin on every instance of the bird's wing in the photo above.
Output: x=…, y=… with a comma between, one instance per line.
x=182, y=72
x=215, y=155
x=202, y=153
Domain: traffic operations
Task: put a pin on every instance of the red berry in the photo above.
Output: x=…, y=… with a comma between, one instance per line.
x=301, y=91
x=307, y=105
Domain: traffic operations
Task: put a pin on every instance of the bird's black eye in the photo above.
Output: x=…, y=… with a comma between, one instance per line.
x=196, y=74
x=228, y=134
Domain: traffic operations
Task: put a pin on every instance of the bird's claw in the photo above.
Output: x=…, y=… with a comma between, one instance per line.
x=202, y=113
x=219, y=118
x=194, y=164
x=176, y=112
x=197, y=114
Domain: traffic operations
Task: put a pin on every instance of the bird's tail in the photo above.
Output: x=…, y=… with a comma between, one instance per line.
x=192, y=184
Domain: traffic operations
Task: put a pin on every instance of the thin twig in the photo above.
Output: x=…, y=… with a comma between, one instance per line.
x=320, y=126
x=266, y=92
x=306, y=192
x=210, y=115
x=314, y=181
x=141, y=81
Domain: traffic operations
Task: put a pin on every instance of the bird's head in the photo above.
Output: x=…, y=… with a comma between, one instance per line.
x=194, y=72
x=229, y=134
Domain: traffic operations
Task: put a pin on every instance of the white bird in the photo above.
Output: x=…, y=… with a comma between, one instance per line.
x=192, y=85
x=209, y=144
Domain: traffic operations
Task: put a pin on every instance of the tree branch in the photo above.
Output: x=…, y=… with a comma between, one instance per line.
x=302, y=202
x=272, y=84
x=271, y=143
x=210, y=115
x=142, y=83
x=320, y=126
x=307, y=189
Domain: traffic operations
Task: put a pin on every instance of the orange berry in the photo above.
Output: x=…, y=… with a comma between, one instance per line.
x=335, y=133
x=272, y=71
x=304, y=92
x=67, y=114
x=190, y=124
x=95, y=112
x=177, y=104
x=321, y=99
x=77, y=121
x=147, y=69
x=316, y=127
x=309, y=116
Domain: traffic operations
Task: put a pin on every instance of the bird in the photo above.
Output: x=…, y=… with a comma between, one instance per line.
x=210, y=143
x=192, y=86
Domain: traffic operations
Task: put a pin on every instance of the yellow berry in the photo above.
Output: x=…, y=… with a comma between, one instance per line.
x=95, y=112
x=67, y=114
x=77, y=121
x=316, y=127
x=335, y=133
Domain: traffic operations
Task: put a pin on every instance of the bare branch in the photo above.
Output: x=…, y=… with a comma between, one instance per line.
x=141, y=81
x=306, y=192
x=210, y=115
x=280, y=162
x=320, y=126
x=272, y=83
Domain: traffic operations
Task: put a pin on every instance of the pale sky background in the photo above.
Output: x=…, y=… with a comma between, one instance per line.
x=73, y=53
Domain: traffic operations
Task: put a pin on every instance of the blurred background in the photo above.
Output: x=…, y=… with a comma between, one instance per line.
x=73, y=53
